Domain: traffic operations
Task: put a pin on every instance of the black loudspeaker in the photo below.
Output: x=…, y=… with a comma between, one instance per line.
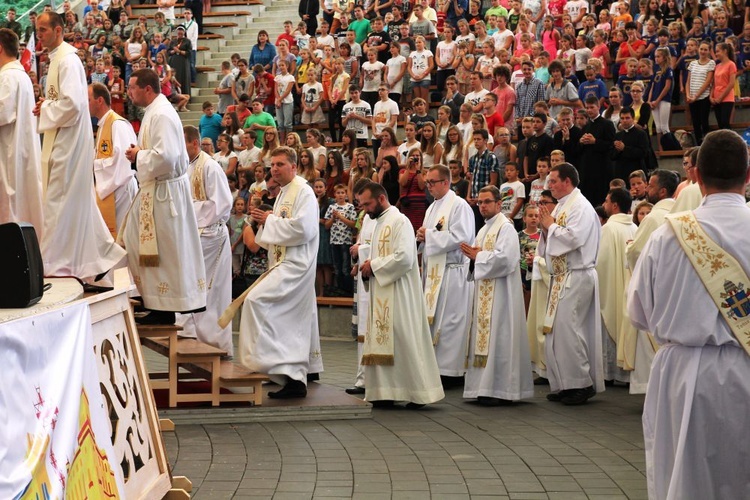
x=21, y=268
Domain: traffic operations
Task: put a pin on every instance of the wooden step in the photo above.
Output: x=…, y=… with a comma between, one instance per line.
x=238, y=3
x=186, y=348
x=220, y=25
x=205, y=69
x=233, y=376
x=210, y=36
x=335, y=301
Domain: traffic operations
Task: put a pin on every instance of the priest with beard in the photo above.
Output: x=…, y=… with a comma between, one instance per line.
x=398, y=357
x=499, y=360
x=613, y=274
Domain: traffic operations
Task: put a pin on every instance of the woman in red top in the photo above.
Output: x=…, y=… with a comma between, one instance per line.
x=632, y=47
x=722, y=96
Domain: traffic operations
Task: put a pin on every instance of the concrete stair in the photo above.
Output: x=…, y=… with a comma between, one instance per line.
x=234, y=27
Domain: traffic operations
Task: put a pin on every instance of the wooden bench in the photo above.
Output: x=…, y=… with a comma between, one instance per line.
x=335, y=301
x=201, y=361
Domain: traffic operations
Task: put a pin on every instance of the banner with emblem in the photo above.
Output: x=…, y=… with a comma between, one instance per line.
x=56, y=433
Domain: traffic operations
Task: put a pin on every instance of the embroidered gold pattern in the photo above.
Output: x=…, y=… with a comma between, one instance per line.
x=163, y=288
x=434, y=287
x=52, y=93
x=382, y=321
x=201, y=284
x=147, y=230
x=706, y=256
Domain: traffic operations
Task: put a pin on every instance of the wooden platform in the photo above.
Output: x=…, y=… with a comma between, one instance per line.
x=228, y=381
x=323, y=402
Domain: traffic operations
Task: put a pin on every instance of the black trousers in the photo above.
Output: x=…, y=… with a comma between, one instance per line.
x=699, y=113
x=723, y=112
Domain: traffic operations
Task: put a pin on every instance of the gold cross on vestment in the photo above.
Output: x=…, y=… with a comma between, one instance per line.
x=384, y=242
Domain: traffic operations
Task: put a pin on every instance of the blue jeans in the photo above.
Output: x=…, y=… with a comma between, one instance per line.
x=342, y=267
x=284, y=116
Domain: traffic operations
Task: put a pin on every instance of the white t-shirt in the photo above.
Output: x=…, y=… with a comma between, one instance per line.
x=500, y=37
x=516, y=78
x=281, y=84
x=510, y=192
x=466, y=38
x=312, y=92
x=382, y=114
x=474, y=98
x=394, y=69
x=582, y=57
x=249, y=156
x=302, y=41
x=403, y=151
x=325, y=40
x=316, y=153
x=223, y=161
x=361, y=108
x=573, y=7
x=445, y=52
x=420, y=63
x=373, y=75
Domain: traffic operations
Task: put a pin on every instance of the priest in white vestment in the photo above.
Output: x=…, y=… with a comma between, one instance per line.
x=612, y=272
x=698, y=398
x=569, y=244
x=279, y=327
x=637, y=348
x=360, y=252
x=538, y=307
x=399, y=359
x=75, y=240
x=499, y=364
x=20, y=163
x=688, y=195
x=448, y=223
x=113, y=174
x=161, y=232
x=212, y=202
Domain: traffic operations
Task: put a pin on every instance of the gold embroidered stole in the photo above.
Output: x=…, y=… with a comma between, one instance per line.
x=559, y=269
x=283, y=208
x=52, y=92
x=435, y=267
x=197, y=183
x=363, y=254
x=148, y=248
x=378, y=347
x=485, y=297
x=105, y=149
x=721, y=274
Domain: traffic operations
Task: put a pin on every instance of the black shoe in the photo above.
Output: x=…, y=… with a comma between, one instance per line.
x=451, y=382
x=414, y=406
x=313, y=377
x=294, y=389
x=101, y=276
x=89, y=288
x=383, y=403
x=555, y=397
x=609, y=383
x=488, y=401
x=541, y=381
x=355, y=390
x=156, y=318
x=575, y=397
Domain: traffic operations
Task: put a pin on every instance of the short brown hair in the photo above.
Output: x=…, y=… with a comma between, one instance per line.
x=147, y=78
x=101, y=90
x=290, y=153
x=9, y=42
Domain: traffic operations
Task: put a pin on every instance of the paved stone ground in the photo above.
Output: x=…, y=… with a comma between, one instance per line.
x=452, y=450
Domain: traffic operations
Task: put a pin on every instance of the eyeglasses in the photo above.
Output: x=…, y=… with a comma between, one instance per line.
x=432, y=183
x=636, y=91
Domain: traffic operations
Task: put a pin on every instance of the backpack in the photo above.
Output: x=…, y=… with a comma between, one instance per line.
x=670, y=143
x=685, y=138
